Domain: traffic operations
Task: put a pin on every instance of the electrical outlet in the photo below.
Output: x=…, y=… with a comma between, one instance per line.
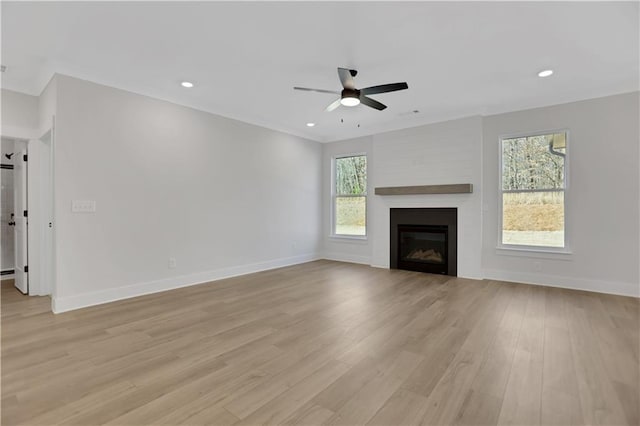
x=172, y=263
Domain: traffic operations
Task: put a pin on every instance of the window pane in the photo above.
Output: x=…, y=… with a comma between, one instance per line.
x=351, y=215
x=351, y=175
x=534, y=162
x=533, y=218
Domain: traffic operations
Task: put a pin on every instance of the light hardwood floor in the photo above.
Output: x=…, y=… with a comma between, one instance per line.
x=326, y=343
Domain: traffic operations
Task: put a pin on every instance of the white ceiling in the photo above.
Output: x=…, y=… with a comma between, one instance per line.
x=459, y=59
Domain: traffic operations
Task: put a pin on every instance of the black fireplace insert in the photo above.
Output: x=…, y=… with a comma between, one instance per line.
x=424, y=240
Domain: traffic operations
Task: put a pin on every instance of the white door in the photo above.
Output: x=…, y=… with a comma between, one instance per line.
x=20, y=208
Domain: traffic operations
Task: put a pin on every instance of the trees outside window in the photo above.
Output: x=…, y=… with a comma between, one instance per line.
x=533, y=190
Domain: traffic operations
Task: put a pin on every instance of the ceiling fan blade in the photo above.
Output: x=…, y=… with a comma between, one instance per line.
x=371, y=102
x=308, y=89
x=335, y=104
x=346, y=78
x=384, y=88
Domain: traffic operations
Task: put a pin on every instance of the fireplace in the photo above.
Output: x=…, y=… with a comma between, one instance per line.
x=424, y=240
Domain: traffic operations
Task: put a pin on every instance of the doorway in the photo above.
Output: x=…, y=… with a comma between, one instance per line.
x=14, y=212
x=27, y=214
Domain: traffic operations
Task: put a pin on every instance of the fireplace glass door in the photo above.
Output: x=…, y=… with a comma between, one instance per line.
x=423, y=248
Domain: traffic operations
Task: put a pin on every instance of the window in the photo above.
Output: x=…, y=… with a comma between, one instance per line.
x=533, y=190
x=350, y=196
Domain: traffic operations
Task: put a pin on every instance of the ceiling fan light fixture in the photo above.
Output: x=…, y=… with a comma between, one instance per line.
x=350, y=97
x=350, y=101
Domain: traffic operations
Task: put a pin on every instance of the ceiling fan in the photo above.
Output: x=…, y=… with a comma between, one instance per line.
x=350, y=96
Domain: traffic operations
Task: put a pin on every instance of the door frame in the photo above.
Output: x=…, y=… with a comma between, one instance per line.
x=20, y=209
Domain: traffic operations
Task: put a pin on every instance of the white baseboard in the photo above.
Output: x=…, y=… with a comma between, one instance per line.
x=374, y=265
x=345, y=257
x=7, y=277
x=608, y=287
x=64, y=304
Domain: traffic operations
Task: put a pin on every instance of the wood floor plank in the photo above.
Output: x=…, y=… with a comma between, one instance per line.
x=599, y=402
x=484, y=399
x=522, y=397
x=560, y=402
x=309, y=414
x=450, y=396
x=366, y=401
x=282, y=406
x=334, y=397
x=326, y=343
x=402, y=408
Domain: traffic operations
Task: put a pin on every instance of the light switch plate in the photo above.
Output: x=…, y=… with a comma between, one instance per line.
x=83, y=206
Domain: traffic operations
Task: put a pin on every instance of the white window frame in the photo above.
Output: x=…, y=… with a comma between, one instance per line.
x=526, y=250
x=334, y=195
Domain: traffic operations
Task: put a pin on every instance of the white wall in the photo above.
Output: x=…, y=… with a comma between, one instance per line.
x=19, y=117
x=220, y=196
x=602, y=198
x=441, y=153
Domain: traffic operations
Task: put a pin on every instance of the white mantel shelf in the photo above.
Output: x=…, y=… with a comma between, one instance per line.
x=458, y=188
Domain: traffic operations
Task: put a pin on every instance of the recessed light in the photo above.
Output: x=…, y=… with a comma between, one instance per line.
x=545, y=73
x=311, y=124
x=187, y=84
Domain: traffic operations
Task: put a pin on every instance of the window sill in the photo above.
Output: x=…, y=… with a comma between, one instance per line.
x=349, y=238
x=554, y=254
